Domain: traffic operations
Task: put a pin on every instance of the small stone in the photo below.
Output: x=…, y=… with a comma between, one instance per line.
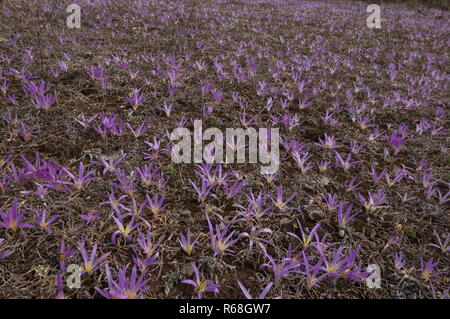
x=315, y=212
x=188, y=270
x=324, y=181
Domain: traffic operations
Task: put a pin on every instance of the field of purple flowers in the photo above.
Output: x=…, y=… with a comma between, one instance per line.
x=88, y=186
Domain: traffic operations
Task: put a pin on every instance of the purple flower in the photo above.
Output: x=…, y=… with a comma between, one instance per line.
x=96, y=73
x=351, y=186
x=149, y=248
x=138, y=132
x=82, y=179
x=126, y=184
x=232, y=190
x=443, y=198
x=345, y=216
x=156, y=204
x=136, y=99
x=282, y=269
x=91, y=262
x=44, y=101
x=59, y=287
x=374, y=202
x=201, y=285
x=220, y=241
x=186, y=242
x=328, y=143
x=109, y=164
x=253, y=238
x=395, y=141
x=399, y=261
x=85, y=122
x=311, y=272
x=204, y=190
x=147, y=173
x=90, y=216
x=428, y=269
x=331, y=201
x=64, y=254
x=12, y=219
x=306, y=240
x=280, y=203
x=255, y=208
x=345, y=164
x=43, y=222
x=444, y=246
x=124, y=230
x=125, y=288
x=263, y=293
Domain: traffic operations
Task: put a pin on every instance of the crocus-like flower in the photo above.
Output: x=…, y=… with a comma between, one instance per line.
x=232, y=190
x=64, y=254
x=125, y=288
x=395, y=141
x=167, y=108
x=85, y=122
x=345, y=216
x=331, y=201
x=428, y=269
x=91, y=263
x=126, y=184
x=113, y=201
x=204, y=190
x=96, y=73
x=109, y=164
x=136, y=99
x=280, y=203
x=138, y=132
x=44, y=101
x=443, y=198
x=337, y=265
x=220, y=241
x=311, y=272
x=285, y=267
x=90, y=216
x=323, y=165
x=43, y=222
x=186, y=242
x=377, y=177
x=12, y=219
x=147, y=245
x=255, y=207
x=345, y=164
x=82, y=179
x=262, y=295
x=124, y=230
x=444, y=246
x=374, y=202
x=306, y=240
x=156, y=204
x=253, y=238
x=201, y=285
x=147, y=173
x=351, y=186
x=391, y=242
x=399, y=261
x=329, y=142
